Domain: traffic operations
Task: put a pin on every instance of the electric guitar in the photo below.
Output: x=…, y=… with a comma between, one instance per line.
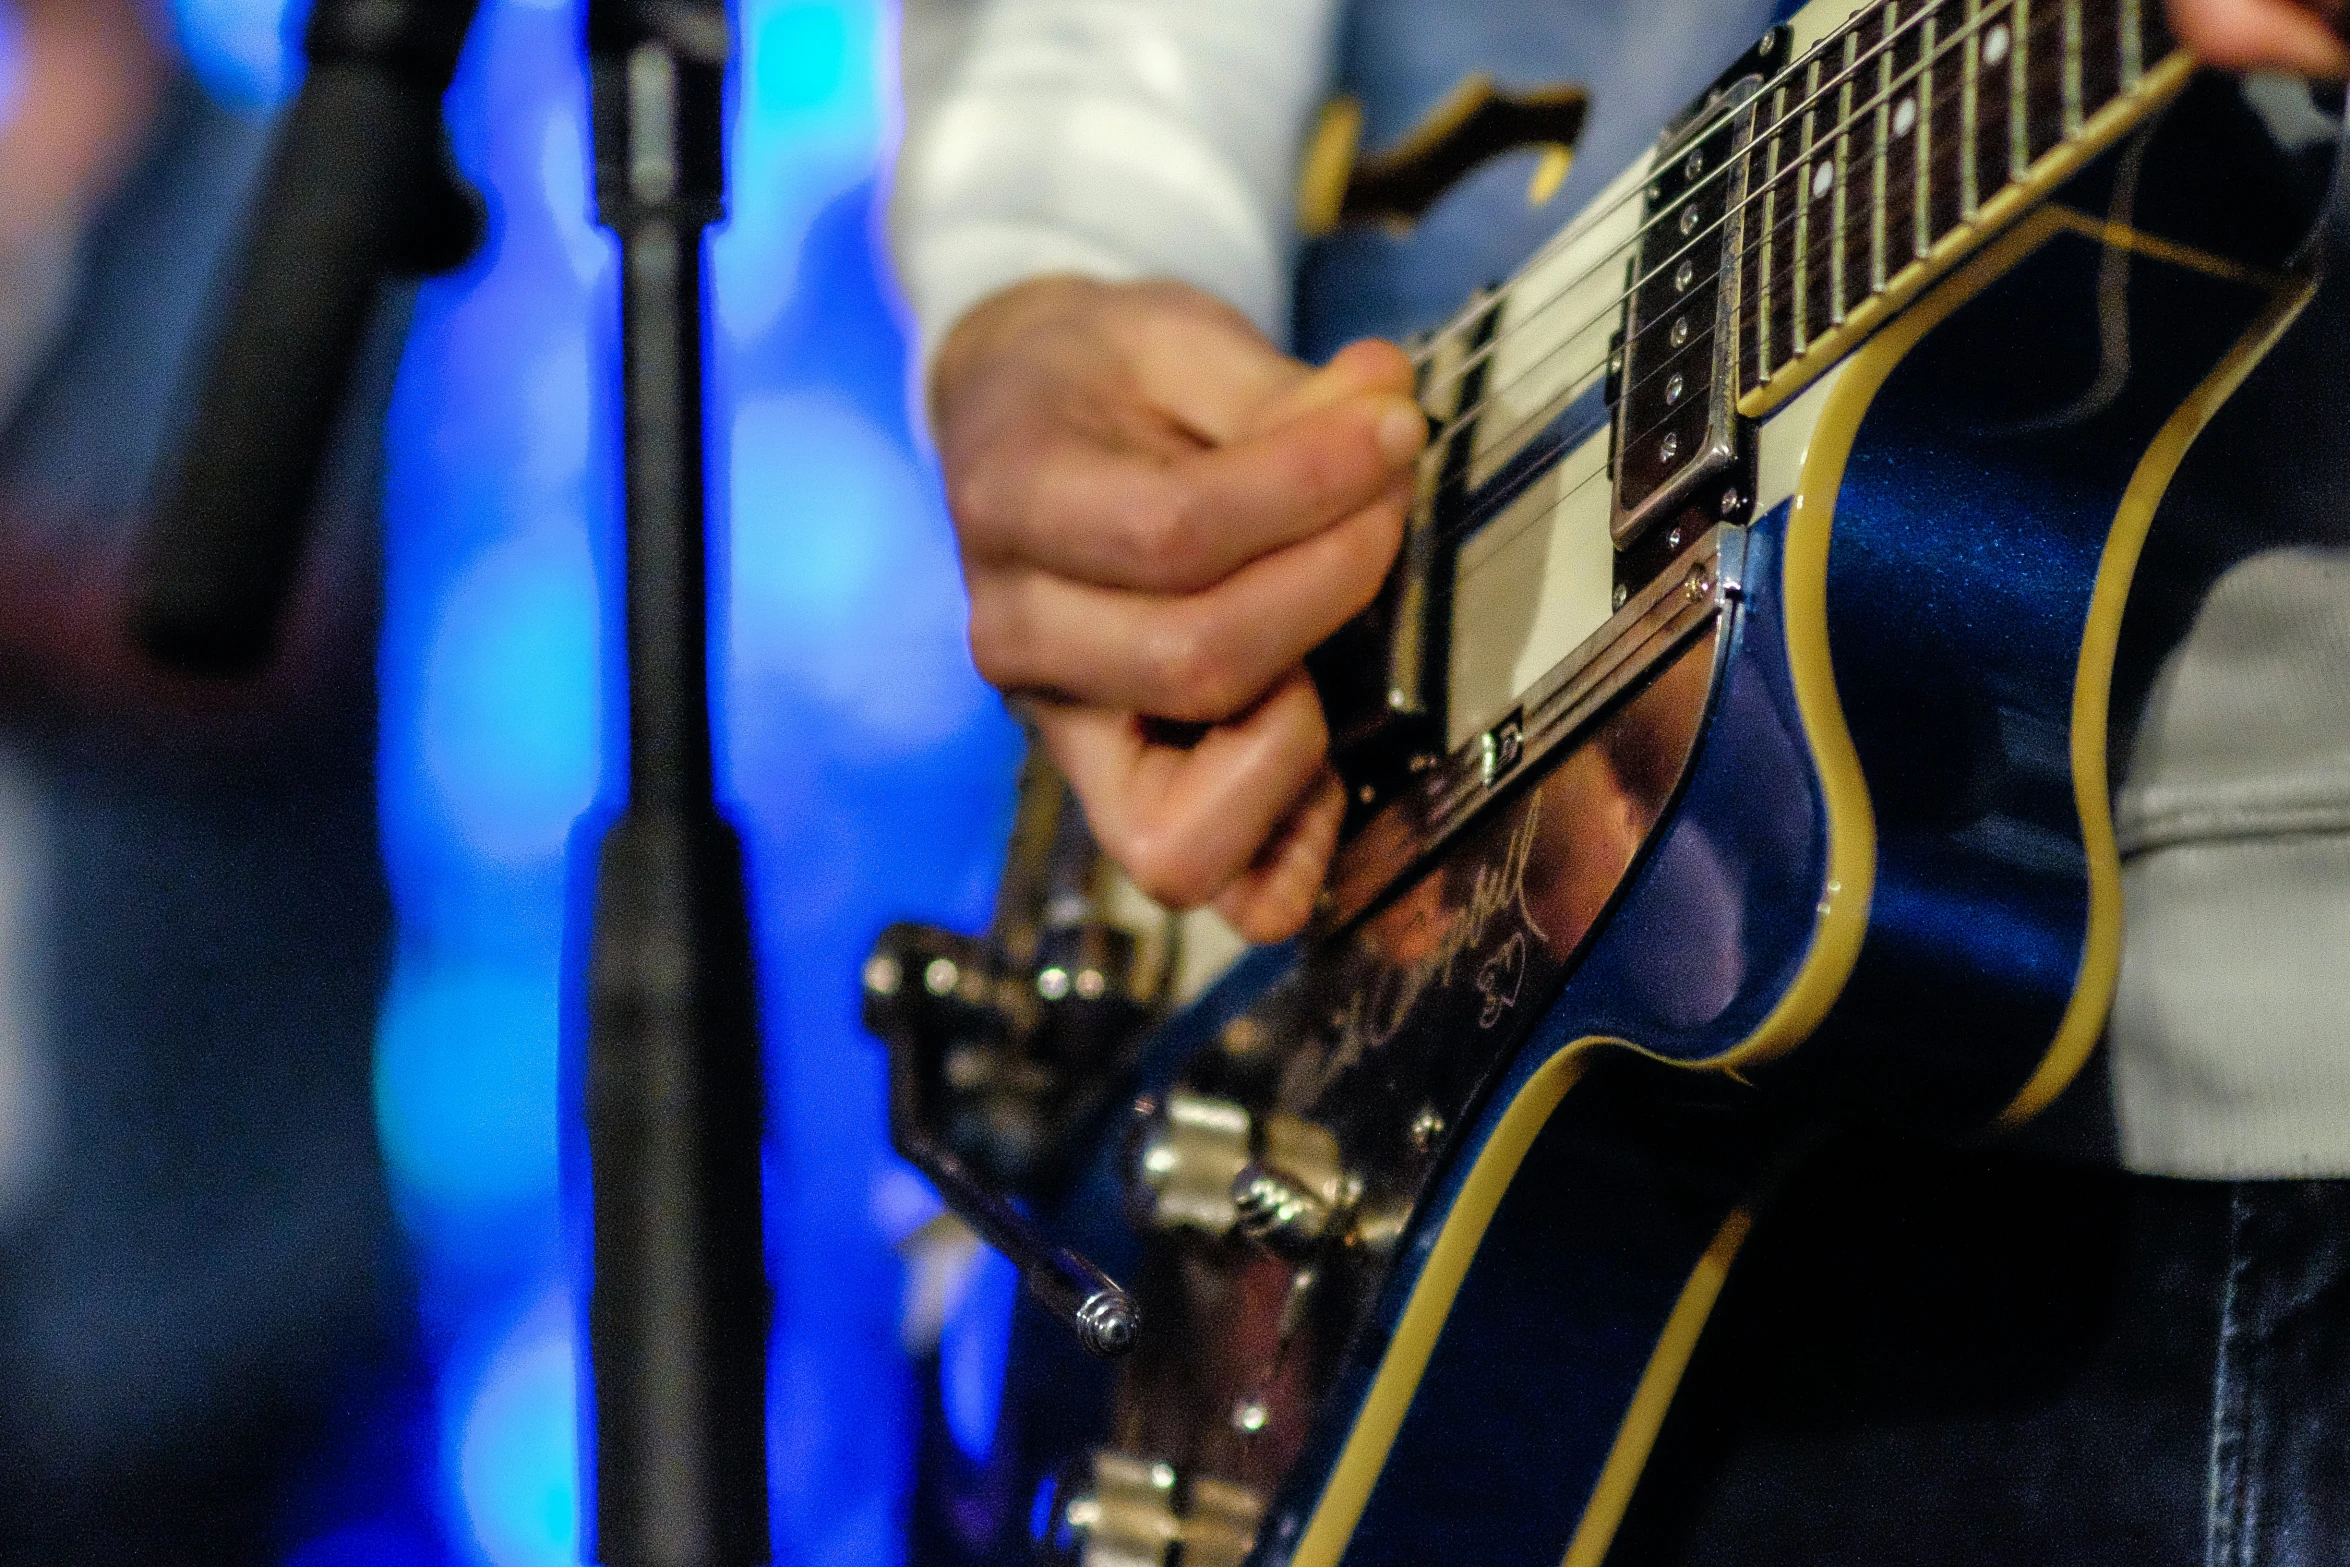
x=1729, y=765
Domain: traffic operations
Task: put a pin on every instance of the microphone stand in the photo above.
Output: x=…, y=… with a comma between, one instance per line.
x=361, y=187
x=678, y=1305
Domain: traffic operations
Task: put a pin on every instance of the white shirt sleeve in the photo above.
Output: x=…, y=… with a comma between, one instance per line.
x=1114, y=139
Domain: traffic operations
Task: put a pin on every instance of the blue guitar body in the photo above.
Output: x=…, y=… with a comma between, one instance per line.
x=1814, y=836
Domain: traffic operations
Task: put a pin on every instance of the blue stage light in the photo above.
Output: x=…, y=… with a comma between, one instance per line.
x=810, y=116
x=465, y=1079
x=510, y=735
x=245, y=52
x=515, y=1454
x=367, y=1545
x=972, y=1353
x=11, y=60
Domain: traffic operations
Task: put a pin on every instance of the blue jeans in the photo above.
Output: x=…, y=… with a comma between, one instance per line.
x=1988, y=1357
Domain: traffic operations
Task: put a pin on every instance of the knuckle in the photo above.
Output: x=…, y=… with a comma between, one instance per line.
x=1168, y=874
x=994, y=646
x=1332, y=465
x=1190, y=672
x=979, y=498
x=1162, y=537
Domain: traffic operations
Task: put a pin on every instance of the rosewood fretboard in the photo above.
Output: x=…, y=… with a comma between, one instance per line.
x=1896, y=132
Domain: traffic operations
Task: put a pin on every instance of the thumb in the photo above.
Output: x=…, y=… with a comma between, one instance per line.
x=1370, y=367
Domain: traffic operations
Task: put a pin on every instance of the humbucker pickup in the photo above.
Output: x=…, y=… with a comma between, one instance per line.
x=1672, y=380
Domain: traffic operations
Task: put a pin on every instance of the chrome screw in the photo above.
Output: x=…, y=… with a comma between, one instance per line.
x=1427, y=1126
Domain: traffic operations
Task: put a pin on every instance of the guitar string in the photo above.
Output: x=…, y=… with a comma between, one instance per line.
x=1583, y=223
x=1484, y=511
x=1609, y=308
x=1465, y=321
x=1985, y=18
x=1568, y=338
x=1833, y=273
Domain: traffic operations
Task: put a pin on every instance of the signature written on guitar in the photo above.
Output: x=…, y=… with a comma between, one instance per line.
x=1429, y=942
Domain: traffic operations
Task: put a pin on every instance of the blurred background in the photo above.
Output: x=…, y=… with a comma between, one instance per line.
x=870, y=770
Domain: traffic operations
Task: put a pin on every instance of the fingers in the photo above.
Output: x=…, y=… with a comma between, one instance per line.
x=1187, y=823
x=1160, y=515
x=1369, y=366
x=1197, y=657
x=1079, y=507
x=1208, y=365
x=1273, y=898
x=2262, y=35
x=1204, y=362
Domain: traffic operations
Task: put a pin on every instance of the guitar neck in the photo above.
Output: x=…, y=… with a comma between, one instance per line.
x=1903, y=136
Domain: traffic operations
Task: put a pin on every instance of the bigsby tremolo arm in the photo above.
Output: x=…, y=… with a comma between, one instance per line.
x=1008, y=1050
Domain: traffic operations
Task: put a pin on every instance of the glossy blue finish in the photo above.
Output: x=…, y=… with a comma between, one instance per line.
x=1966, y=547
x=1968, y=537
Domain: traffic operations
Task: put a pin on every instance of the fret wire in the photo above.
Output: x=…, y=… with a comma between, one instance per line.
x=2133, y=45
x=1805, y=199
x=1884, y=128
x=1784, y=225
x=1764, y=284
x=1741, y=311
x=1970, y=114
x=1982, y=9
x=2019, y=93
x=1852, y=168
x=1839, y=197
x=2071, y=84
x=1466, y=321
x=1927, y=149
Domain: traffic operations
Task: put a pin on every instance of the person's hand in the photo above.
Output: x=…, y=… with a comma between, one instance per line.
x=1160, y=514
x=2295, y=36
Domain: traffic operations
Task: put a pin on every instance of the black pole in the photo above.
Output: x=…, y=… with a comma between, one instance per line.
x=678, y=1305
